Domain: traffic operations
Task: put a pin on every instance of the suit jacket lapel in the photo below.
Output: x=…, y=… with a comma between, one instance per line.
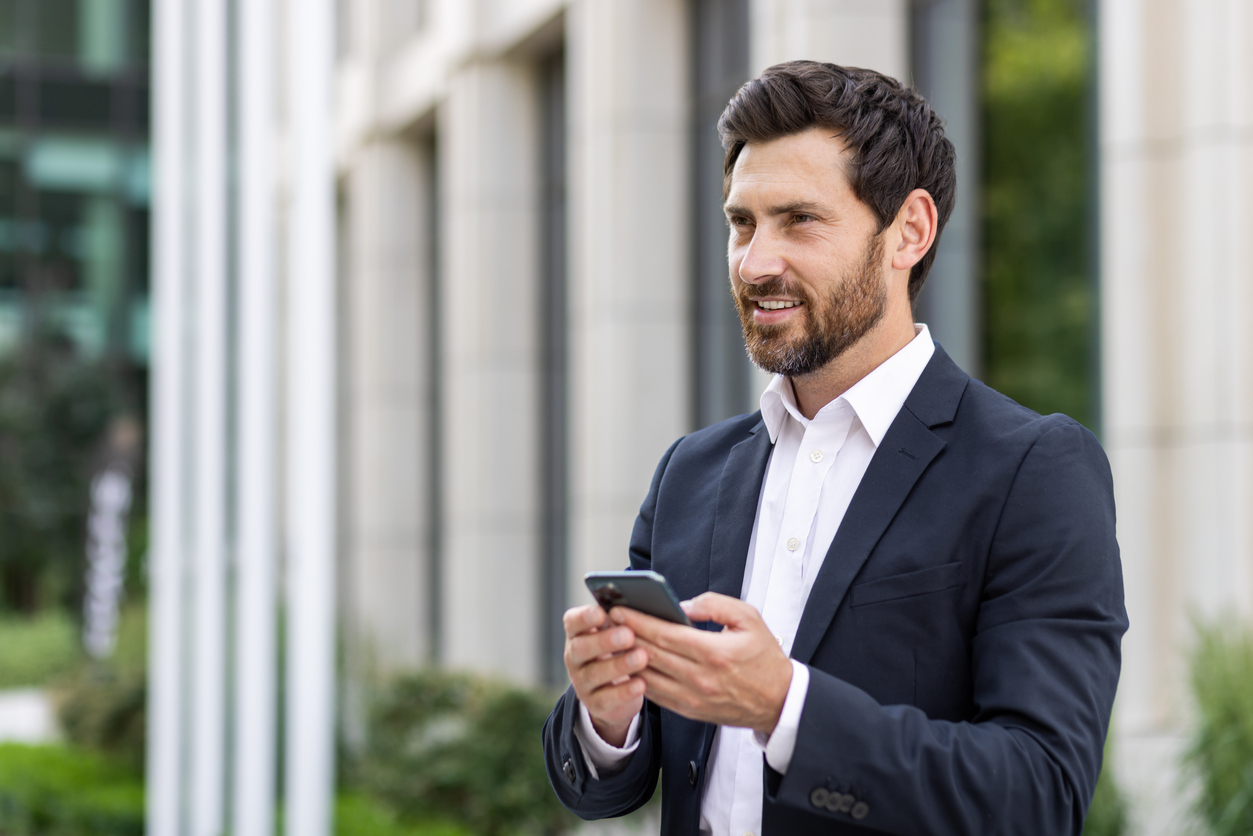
x=738, y=492
x=907, y=449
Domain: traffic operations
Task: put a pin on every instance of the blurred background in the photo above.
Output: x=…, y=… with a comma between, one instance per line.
x=339, y=338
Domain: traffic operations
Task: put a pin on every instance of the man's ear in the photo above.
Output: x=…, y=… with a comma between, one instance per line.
x=919, y=223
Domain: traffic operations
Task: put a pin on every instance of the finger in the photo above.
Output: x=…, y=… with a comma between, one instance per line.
x=677, y=638
x=579, y=620
x=721, y=609
x=667, y=692
x=673, y=665
x=608, y=698
x=583, y=649
x=596, y=675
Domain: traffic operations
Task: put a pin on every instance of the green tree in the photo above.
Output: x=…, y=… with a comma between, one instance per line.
x=54, y=409
x=1036, y=228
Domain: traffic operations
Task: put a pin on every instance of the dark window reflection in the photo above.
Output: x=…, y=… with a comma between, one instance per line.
x=74, y=168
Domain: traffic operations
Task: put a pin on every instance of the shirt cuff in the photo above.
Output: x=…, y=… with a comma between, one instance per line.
x=600, y=755
x=782, y=741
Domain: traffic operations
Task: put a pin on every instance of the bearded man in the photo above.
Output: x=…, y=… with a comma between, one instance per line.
x=908, y=586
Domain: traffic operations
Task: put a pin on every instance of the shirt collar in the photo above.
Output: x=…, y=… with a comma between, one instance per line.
x=876, y=398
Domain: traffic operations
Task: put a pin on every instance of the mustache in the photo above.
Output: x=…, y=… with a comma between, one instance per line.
x=772, y=287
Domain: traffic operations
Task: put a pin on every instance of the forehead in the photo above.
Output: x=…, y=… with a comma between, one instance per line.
x=810, y=166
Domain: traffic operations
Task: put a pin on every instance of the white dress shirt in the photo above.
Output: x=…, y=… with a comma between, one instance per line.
x=814, y=469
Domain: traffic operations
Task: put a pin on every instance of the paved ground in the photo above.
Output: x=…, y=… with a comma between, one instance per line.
x=26, y=716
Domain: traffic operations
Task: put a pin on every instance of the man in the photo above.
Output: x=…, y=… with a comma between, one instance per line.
x=911, y=584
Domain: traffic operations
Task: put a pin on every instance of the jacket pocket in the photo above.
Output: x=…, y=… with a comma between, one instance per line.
x=908, y=585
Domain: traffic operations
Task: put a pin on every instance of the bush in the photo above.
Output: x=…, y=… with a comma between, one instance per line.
x=1220, y=755
x=443, y=746
x=56, y=790
x=359, y=815
x=102, y=704
x=1108, y=814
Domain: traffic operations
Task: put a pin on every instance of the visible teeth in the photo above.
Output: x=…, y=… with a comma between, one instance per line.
x=776, y=306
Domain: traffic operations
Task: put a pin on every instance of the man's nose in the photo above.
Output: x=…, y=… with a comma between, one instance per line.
x=762, y=259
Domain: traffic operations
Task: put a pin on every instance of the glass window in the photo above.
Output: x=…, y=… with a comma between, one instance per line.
x=56, y=29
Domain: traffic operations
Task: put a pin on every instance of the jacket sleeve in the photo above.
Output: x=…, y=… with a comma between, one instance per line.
x=1045, y=658
x=630, y=788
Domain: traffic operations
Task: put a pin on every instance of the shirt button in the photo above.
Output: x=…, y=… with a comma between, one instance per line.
x=749, y=833
x=793, y=544
x=779, y=639
x=815, y=456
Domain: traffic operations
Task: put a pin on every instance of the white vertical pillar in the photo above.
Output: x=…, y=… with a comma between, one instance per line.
x=630, y=230
x=489, y=130
x=255, y=732
x=855, y=33
x=170, y=442
x=1177, y=354
x=209, y=639
x=389, y=291
x=311, y=438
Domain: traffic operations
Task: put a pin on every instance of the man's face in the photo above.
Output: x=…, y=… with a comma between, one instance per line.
x=807, y=267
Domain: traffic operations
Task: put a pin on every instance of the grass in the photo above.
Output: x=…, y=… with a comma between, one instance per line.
x=38, y=649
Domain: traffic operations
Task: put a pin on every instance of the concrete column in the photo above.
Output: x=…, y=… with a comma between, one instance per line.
x=169, y=561
x=1177, y=291
x=945, y=68
x=630, y=233
x=489, y=296
x=856, y=33
x=388, y=289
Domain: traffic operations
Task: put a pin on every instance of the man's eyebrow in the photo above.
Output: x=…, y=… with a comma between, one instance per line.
x=782, y=209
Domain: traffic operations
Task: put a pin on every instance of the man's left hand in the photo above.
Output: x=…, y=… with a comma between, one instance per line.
x=737, y=677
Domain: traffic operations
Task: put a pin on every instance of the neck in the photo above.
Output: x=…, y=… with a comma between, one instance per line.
x=817, y=389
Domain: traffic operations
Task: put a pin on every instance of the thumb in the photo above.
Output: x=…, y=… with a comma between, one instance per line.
x=719, y=608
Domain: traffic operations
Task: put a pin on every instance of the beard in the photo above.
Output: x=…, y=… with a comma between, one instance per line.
x=832, y=324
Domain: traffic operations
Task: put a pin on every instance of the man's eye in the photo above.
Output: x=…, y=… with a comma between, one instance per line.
x=802, y=218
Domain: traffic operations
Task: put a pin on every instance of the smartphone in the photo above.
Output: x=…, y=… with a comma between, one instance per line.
x=645, y=591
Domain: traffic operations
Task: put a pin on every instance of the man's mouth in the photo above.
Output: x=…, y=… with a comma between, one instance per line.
x=775, y=304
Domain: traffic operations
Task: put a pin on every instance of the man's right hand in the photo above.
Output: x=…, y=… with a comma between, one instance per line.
x=602, y=661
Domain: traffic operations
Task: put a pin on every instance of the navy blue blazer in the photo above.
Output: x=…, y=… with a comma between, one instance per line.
x=962, y=635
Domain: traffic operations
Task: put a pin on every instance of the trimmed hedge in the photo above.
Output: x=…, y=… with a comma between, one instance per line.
x=68, y=792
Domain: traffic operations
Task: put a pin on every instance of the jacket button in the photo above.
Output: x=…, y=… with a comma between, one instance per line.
x=567, y=767
x=860, y=810
x=692, y=772
x=818, y=797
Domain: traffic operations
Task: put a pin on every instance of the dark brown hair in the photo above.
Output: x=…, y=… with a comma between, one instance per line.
x=897, y=141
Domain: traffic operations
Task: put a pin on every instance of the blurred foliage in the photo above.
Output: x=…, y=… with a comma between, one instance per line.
x=59, y=791
x=1107, y=816
x=447, y=746
x=360, y=815
x=1039, y=298
x=102, y=704
x=1220, y=753
x=54, y=409
x=36, y=649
